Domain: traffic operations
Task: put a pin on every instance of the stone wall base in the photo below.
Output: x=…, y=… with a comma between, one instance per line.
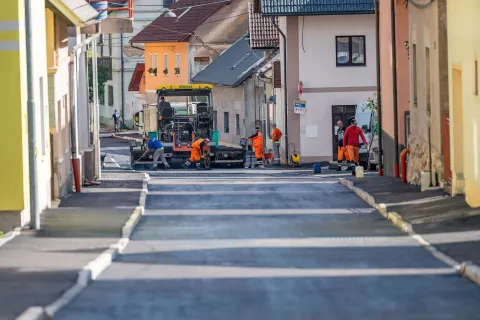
x=10, y=220
x=418, y=160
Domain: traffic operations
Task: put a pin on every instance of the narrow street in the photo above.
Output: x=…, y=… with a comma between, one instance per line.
x=248, y=244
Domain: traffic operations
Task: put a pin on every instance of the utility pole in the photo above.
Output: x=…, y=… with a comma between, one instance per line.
x=32, y=141
x=96, y=112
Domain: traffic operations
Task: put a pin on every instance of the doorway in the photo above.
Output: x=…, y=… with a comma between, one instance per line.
x=342, y=113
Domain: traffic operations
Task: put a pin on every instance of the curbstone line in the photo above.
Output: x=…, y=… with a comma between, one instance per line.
x=471, y=271
x=94, y=268
x=10, y=236
x=466, y=269
x=33, y=313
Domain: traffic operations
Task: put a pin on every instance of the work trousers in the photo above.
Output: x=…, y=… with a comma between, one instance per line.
x=276, y=152
x=159, y=154
x=353, y=153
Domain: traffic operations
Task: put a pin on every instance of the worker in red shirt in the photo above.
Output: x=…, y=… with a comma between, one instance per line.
x=353, y=135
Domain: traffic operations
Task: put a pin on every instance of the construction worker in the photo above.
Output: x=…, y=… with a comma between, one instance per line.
x=158, y=152
x=352, y=135
x=197, y=152
x=341, y=154
x=257, y=144
x=276, y=135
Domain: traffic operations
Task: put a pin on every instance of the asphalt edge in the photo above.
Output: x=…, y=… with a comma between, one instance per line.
x=94, y=268
x=466, y=269
x=10, y=236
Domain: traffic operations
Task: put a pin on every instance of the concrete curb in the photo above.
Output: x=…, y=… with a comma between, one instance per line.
x=94, y=268
x=10, y=236
x=466, y=269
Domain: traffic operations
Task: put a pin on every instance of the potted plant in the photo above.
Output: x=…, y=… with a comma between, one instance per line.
x=165, y=72
x=177, y=71
x=153, y=71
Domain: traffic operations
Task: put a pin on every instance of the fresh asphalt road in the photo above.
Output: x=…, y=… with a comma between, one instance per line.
x=256, y=244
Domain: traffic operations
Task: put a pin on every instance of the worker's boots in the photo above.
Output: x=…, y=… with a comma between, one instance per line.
x=186, y=165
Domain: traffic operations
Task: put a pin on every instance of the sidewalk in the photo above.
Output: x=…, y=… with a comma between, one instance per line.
x=36, y=269
x=444, y=222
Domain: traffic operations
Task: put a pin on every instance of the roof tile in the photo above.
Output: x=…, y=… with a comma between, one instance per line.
x=316, y=7
x=263, y=34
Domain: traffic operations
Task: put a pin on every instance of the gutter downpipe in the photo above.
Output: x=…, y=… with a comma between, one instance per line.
x=123, y=76
x=379, y=89
x=285, y=94
x=396, y=172
x=74, y=109
x=96, y=113
x=31, y=108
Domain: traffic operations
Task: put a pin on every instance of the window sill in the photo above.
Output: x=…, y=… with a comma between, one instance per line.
x=351, y=65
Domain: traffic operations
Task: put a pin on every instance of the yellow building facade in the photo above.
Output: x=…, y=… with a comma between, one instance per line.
x=14, y=163
x=464, y=55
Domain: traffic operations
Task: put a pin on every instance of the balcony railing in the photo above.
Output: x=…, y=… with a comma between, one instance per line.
x=115, y=5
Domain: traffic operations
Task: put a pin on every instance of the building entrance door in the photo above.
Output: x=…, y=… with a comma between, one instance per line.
x=342, y=113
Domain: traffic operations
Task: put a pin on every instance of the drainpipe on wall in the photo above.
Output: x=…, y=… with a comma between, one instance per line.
x=285, y=95
x=32, y=141
x=396, y=172
x=122, y=75
x=379, y=89
x=96, y=113
x=74, y=109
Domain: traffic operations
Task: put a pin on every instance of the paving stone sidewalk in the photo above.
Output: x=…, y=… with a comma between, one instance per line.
x=36, y=268
x=449, y=223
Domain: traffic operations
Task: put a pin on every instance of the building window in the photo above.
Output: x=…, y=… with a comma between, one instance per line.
x=177, y=61
x=110, y=96
x=350, y=51
x=199, y=63
x=165, y=60
x=428, y=97
x=237, y=124
x=215, y=125
x=101, y=97
x=110, y=45
x=414, y=68
x=226, y=125
x=67, y=121
x=476, y=77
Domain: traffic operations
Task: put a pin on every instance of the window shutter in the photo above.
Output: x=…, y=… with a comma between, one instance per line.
x=277, y=75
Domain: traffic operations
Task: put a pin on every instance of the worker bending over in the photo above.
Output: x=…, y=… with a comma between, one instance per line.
x=257, y=144
x=197, y=152
x=158, y=152
x=352, y=136
x=340, y=137
x=276, y=135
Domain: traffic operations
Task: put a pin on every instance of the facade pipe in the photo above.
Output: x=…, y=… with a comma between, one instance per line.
x=395, y=91
x=32, y=130
x=74, y=109
x=379, y=89
x=403, y=159
x=96, y=113
x=285, y=94
x=122, y=73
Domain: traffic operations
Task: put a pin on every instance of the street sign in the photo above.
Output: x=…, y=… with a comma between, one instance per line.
x=300, y=106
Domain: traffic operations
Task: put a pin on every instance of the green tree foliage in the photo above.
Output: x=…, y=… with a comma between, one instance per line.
x=102, y=78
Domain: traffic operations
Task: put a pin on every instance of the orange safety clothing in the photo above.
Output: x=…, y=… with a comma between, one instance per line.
x=195, y=150
x=342, y=154
x=353, y=153
x=257, y=144
x=276, y=135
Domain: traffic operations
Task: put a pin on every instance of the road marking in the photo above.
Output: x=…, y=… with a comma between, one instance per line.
x=214, y=212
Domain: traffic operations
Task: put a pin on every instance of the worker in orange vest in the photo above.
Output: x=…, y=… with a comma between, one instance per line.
x=257, y=144
x=276, y=135
x=196, y=153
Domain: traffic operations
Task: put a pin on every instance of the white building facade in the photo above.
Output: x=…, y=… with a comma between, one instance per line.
x=332, y=53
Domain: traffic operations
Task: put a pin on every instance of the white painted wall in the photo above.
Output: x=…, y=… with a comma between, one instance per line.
x=40, y=83
x=318, y=71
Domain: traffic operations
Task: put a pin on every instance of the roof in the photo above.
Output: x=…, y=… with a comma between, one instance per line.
x=316, y=7
x=263, y=34
x=78, y=12
x=136, y=77
x=233, y=66
x=190, y=14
